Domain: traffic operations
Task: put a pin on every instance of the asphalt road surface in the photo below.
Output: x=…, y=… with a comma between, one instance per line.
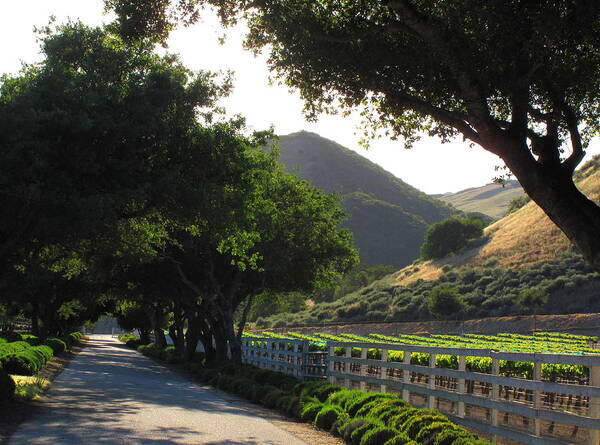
x=113, y=395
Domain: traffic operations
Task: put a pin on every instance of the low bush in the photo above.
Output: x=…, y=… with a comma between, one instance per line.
x=327, y=416
x=449, y=436
x=358, y=434
x=417, y=422
x=400, y=439
x=310, y=410
x=74, y=338
x=360, y=401
x=428, y=433
x=379, y=436
x=58, y=346
x=28, y=361
x=124, y=338
x=7, y=386
x=33, y=340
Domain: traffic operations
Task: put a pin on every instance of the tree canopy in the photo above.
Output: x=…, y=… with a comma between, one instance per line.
x=450, y=236
x=124, y=184
x=520, y=79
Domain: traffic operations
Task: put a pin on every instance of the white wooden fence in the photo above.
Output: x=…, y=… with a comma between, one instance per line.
x=288, y=356
x=528, y=411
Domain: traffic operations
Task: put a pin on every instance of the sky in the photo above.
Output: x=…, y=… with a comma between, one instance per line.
x=429, y=166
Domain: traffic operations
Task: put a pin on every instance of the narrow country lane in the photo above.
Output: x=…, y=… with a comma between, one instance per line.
x=113, y=395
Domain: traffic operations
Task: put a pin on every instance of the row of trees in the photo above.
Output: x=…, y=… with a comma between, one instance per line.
x=124, y=189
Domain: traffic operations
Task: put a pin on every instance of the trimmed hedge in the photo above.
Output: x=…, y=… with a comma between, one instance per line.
x=58, y=346
x=29, y=361
x=328, y=415
x=379, y=436
x=360, y=418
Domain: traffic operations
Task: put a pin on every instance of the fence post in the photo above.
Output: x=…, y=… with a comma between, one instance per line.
x=382, y=373
x=431, y=399
x=594, y=411
x=406, y=376
x=363, y=368
x=460, y=386
x=331, y=364
x=537, y=399
x=495, y=394
x=347, y=366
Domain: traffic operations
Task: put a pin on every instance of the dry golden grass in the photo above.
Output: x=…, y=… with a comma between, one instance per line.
x=524, y=238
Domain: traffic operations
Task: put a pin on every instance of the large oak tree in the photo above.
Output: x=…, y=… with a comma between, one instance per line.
x=520, y=79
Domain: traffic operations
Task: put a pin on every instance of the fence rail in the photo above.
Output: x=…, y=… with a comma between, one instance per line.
x=530, y=411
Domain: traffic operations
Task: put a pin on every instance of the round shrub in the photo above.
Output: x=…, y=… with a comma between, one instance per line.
x=379, y=436
x=349, y=426
x=367, y=408
x=310, y=410
x=400, y=439
x=447, y=437
x=429, y=432
x=398, y=420
x=271, y=397
x=341, y=398
x=7, y=386
x=327, y=416
x=293, y=407
x=359, y=402
x=28, y=361
x=323, y=392
x=337, y=425
x=58, y=346
x=416, y=423
x=361, y=431
x=33, y=340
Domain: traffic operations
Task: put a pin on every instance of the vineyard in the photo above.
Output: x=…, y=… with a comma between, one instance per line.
x=531, y=388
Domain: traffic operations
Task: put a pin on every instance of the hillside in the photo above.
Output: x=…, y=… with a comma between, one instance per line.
x=523, y=250
x=490, y=199
x=387, y=216
x=521, y=239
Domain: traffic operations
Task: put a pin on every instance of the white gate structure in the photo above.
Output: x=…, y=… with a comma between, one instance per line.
x=504, y=408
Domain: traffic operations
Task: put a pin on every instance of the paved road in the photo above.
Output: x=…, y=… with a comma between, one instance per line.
x=113, y=395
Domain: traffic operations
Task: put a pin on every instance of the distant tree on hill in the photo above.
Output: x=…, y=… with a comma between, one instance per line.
x=517, y=203
x=444, y=301
x=449, y=236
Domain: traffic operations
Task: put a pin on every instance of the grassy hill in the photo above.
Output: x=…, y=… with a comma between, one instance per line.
x=522, y=250
x=491, y=199
x=387, y=216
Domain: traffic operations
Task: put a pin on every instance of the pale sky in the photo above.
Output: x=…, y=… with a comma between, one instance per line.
x=430, y=166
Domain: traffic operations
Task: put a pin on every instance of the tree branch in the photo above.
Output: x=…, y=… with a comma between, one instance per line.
x=452, y=119
x=414, y=20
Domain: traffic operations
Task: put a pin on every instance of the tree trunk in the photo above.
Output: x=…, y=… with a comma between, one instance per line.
x=35, y=321
x=552, y=188
x=235, y=345
x=159, y=334
x=144, y=336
